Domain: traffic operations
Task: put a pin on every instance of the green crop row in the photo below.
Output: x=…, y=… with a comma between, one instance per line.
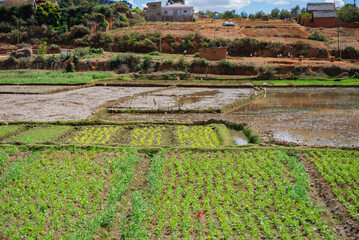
x=63, y=195
x=94, y=135
x=232, y=195
x=147, y=136
x=4, y=130
x=341, y=170
x=39, y=134
x=198, y=136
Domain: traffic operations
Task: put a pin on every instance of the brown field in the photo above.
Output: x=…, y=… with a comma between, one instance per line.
x=273, y=30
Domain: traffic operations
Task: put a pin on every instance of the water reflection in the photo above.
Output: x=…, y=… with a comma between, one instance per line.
x=322, y=116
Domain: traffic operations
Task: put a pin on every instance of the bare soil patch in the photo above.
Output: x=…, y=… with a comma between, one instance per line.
x=70, y=105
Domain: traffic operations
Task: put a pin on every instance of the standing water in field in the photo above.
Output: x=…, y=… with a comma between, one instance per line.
x=312, y=116
x=321, y=116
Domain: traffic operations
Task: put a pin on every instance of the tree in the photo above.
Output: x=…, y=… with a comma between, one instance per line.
x=48, y=13
x=294, y=12
x=275, y=13
x=169, y=2
x=259, y=15
x=349, y=13
x=306, y=17
x=284, y=14
x=229, y=14
x=244, y=14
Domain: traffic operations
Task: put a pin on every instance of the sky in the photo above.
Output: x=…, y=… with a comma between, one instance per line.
x=250, y=6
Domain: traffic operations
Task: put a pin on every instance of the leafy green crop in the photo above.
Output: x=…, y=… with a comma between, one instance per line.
x=147, y=136
x=197, y=136
x=341, y=170
x=61, y=194
x=8, y=129
x=230, y=195
x=94, y=135
x=40, y=134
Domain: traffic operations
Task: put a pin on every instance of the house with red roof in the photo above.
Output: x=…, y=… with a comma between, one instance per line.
x=171, y=13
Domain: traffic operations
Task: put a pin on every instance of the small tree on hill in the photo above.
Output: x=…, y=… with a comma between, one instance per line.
x=48, y=13
x=169, y=2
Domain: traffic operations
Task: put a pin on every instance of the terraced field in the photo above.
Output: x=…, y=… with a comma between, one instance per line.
x=81, y=190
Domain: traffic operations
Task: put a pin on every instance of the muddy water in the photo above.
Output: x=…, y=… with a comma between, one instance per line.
x=187, y=98
x=70, y=105
x=322, y=116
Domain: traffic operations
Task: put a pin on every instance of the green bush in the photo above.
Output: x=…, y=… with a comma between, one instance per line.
x=182, y=63
x=81, y=52
x=333, y=70
x=200, y=62
x=39, y=59
x=196, y=55
x=130, y=60
x=51, y=59
x=318, y=36
x=54, y=47
x=228, y=64
x=78, y=31
x=154, y=53
x=266, y=74
x=70, y=67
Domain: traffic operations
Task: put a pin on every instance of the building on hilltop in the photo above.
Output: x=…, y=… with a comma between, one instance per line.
x=172, y=13
x=322, y=15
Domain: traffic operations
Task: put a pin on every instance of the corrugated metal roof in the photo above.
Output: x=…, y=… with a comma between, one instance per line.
x=324, y=14
x=320, y=6
x=177, y=5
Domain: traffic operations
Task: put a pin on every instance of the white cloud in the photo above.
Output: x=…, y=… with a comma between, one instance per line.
x=218, y=5
x=338, y=3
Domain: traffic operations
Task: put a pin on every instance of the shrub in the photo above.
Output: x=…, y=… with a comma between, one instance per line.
x=70, y=67
x=353, y=71
x=351, y=52
x=147, y=63
x=200, y=62
x=54, y=47
x=6, y=27
x=78, y=31
x=228, y=64
x=97, y=50
x=101, y=39
x=318, y=36
x=154, y=53
x=333, y=70
x=356, y=75
x=182, y=63
x=42, y=48
x=266, y=74
x=51, y=59
x=81, y=52
x=130, y=60
x=196, y=55
x=39, y=59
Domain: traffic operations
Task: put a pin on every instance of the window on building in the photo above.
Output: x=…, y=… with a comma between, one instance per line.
x=175, y=12
x=153, y=6
x=185, y=11
x=166, y=12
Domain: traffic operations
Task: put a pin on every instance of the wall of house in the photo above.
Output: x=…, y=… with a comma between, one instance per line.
x=154, y=14
x=177, y=18
x=215, y=54
x=324, y=22
x=179, y=12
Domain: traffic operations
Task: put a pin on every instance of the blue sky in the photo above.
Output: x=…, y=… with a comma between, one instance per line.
x=250, y=6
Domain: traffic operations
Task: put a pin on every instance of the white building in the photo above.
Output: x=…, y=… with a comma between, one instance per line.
x=177, y=9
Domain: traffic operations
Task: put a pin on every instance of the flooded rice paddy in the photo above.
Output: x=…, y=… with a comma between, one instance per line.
x=187, y=98
x=311, y=116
